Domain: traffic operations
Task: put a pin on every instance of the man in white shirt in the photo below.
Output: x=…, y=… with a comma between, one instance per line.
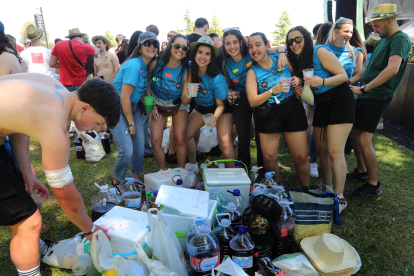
x=37, y=57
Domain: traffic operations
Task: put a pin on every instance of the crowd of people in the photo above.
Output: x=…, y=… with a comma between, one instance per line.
x=353, y=82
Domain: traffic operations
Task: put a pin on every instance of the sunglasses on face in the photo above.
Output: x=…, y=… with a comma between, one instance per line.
x=297, y=40
x=178, y=46
x=154, y=43
x=232, y=28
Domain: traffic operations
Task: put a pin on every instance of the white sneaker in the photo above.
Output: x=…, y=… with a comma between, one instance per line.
x=322, y=188
x=191, y=167
x=342, y=203
x=314, y=170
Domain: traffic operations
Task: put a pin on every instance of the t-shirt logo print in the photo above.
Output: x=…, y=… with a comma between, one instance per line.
x=178, y=85
x=204, y=91
x=264, y=84
x=37, y=58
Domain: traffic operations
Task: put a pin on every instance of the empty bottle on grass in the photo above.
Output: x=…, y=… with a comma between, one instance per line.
x=242, y=250
x=131, y=194
x=286, y=224
x=224, y=233
x=238, y=200
x=254, y=174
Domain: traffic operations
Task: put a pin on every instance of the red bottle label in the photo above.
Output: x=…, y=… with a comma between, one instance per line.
x=206, y=264
x=285, y=232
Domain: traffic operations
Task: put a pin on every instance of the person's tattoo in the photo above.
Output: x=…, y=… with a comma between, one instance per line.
x=126, y=114
x=62, y=99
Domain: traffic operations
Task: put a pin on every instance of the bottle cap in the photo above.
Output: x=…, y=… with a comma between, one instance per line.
x=179, y=182
x=112, y=191
x=269, y=174
x=148, y=193
x=216, y=189
x=231, y=206
x=237, y=164
x=242, y=229
x=130, y=179
x=221, y=166
x=236, y=192
x=225, y=223
x=155, y=192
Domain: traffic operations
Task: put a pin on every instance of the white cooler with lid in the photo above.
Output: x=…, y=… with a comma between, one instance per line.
x=126, y=227
x=227, y=179
x=156, y=180
x=181, y=206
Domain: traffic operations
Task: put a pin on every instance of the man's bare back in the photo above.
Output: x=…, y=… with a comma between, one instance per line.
x=107, y=64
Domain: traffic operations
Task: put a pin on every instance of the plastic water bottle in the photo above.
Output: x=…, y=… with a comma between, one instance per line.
x=199, y=177
x=286, y=224
x=190, y=181
x=221, y=201
x=242, y=250
x=204, y=250
x=131, y=194
x=102, y=202
x=224, y=233
x=179, y=182
x=235, y=215
x=269, y=183
x=238, y=199
x=118, y=199
x=191, y=231
x=258, y=189
x=281, y=194
x=254, y=174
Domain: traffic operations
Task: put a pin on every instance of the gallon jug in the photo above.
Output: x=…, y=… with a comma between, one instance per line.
x=221, y=201
x=254, y=174
x=238, y=199
x=286, y=224
x=102, y=202
x=235, y=215
x=242, y=250
x=131, y=194
x=224, y=233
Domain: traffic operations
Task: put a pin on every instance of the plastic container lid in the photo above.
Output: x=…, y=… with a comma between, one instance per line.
x=269, y=174
x=130, y=179
x=230, y=206
x=225, y=222
x=236, y=192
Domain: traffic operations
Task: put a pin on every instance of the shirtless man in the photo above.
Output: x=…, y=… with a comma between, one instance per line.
x=48, y=109
x=107, y=64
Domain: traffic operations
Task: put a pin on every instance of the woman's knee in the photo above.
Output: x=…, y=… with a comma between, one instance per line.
x=269, y=158
x=180, y=141
x=335, y=153
x=155, y=142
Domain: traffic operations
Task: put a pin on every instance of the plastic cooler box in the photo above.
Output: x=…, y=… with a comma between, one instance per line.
x=227, y=179
x=181, y=206
x=156, y=180
x=126, y=227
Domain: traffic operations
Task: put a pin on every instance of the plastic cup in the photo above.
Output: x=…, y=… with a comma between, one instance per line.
x=192, y=90
x=235, y=96
x=308, y=72
x=208, y=119
x=149, y=101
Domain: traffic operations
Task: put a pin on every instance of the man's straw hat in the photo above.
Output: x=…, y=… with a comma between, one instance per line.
x=103, y=38
x=384, y=11
x=33, y=32
x=74, y=32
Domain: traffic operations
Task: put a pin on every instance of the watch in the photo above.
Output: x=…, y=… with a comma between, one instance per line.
x=363, y=89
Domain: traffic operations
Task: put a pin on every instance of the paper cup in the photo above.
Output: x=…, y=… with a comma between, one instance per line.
x=149, y=102
x=192, y=90
x=208, y=119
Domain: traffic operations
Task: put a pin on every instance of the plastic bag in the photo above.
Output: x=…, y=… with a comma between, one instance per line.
x=94, y=150
x=296, y=264
x=70, y=254
x=156, y=268
x=101, y=252
x=165, y=245
x=165, y=143
x=208, y=140
x=228, y=267
x=307, y=95
x=124, y=267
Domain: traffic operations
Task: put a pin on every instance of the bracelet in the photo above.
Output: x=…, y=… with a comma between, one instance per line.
x=93, y=229
x=127, y=130
x=323, y=84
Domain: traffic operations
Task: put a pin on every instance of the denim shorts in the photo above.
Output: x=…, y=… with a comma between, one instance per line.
x=169, y=103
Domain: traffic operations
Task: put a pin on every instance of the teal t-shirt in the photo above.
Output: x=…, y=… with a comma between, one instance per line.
x=363, y=52
x=134, y=72
x=170, y=85
x=267, y=78
x=397, y=44
x=211, y=89
x=238, y=71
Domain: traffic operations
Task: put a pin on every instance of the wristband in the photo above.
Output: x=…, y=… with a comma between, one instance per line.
x=93, y=229
x=127, y=130
x=323, y=83
x=271, y=92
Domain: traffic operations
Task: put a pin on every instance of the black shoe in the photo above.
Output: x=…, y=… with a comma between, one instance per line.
x=171, y=158
x=367, y=190
x=200, y=156
x=356, y=175
x=148, y=155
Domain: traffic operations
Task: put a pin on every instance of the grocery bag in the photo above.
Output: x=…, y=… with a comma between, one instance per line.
x=296, y=264
x=314, y=213
x=101, y=252
x=165, y=143
x=156, y=268
x=94, y=150
x=228, y=267
x=208, y=139
x=165, y=245
x=70, y=254
x=125, y=267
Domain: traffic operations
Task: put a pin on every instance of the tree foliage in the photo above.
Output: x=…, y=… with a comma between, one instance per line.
x=111, y=38
x=215, y=26
x=42, y=39
x=189, y=25
x=283, y=25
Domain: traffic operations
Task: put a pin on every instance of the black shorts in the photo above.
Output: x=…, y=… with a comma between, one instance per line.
x=193, y=104
x=368, y=113
x=15, y=203
x=287, y=117
x=335, y=106
x=210, y=109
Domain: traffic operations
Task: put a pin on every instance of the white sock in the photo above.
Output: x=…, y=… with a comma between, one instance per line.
x=341, y=195
x=32, y=272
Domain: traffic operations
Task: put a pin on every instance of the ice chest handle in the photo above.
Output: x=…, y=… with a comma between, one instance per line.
x=222, y=215
x=222, y=160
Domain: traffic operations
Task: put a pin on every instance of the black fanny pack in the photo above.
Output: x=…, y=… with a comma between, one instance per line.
x=265, y=109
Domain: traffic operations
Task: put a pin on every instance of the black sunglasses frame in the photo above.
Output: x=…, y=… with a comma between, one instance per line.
x=178, y=46
x=289, y=42
x=148, y=43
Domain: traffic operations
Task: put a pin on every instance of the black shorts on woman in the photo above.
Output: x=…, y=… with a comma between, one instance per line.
x=228, y=109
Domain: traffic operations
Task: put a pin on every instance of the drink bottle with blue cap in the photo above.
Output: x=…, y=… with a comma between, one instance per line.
x=224, y=233
x=269, y=183
x=242, y=250
x=238, y=200
x=131, y=194
x=221, y=201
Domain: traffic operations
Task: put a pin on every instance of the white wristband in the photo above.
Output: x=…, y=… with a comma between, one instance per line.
x=93, y=228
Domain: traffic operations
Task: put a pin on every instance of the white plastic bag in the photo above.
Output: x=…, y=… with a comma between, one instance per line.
x=228, y=267
x=165, y=245
x=165, y=144
x=124, y=267
x=208, y=140
x=94, y=150
x=296, y=264
x=101, y=252
x=156, y=268
x=70, y=254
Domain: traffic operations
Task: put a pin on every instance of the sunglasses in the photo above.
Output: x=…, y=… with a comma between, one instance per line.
x=232, y=28
x=154, y=43
x=178, y=46
x=297, y=40
x=342, y=19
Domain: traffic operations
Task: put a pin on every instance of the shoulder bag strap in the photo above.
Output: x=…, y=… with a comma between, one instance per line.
x=80, y=63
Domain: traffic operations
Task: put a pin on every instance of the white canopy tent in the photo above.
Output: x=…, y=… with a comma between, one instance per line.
x=408, y=28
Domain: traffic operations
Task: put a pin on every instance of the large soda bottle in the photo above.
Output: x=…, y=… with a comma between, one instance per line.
x=286, y=224
x=235, y=215
x=190, y=181
x=221, y=201
x=191, y=231
x=269, y=183
x=102, y=202
x=224, y=233
x=204, y=250
x=258, y=189
x=131, y=194
x=242, y=250
x=238, y=200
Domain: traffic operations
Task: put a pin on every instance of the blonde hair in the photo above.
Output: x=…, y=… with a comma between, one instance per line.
x=331, y=35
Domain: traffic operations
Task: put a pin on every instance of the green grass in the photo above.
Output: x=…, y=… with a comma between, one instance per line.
x=385, y=246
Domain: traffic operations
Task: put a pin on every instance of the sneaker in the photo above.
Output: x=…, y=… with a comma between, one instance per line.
x=342, y=203
x=314, y=170
x=171, y=158
x=191, y=167
x=322, y=188
x=45, y=247
x=356, y=175
x=367, y=190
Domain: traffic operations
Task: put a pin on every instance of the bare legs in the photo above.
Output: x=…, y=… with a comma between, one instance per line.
x=224, y=135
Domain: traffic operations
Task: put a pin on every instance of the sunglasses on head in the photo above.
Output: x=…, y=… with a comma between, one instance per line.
x=342, y=19
x=232, y=28
x=154, y=43
x=297, y=40
x=178, y=46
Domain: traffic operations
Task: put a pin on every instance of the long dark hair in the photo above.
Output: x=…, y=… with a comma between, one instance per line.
x=122, y=52
x=305, y=58
x=6, y=46
x=133, y=42
x=165, y=58
x=212, y=70
x=244, y=50
x=356, y=41
x=322, y=34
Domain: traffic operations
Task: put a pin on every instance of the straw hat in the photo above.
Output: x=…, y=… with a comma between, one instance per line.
x=384, y=11
x=85, y=39
x=206, y=40
x=73, y=32
x=329, y=253
x=103, y=38
x=372, y=39
x=33, y=32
